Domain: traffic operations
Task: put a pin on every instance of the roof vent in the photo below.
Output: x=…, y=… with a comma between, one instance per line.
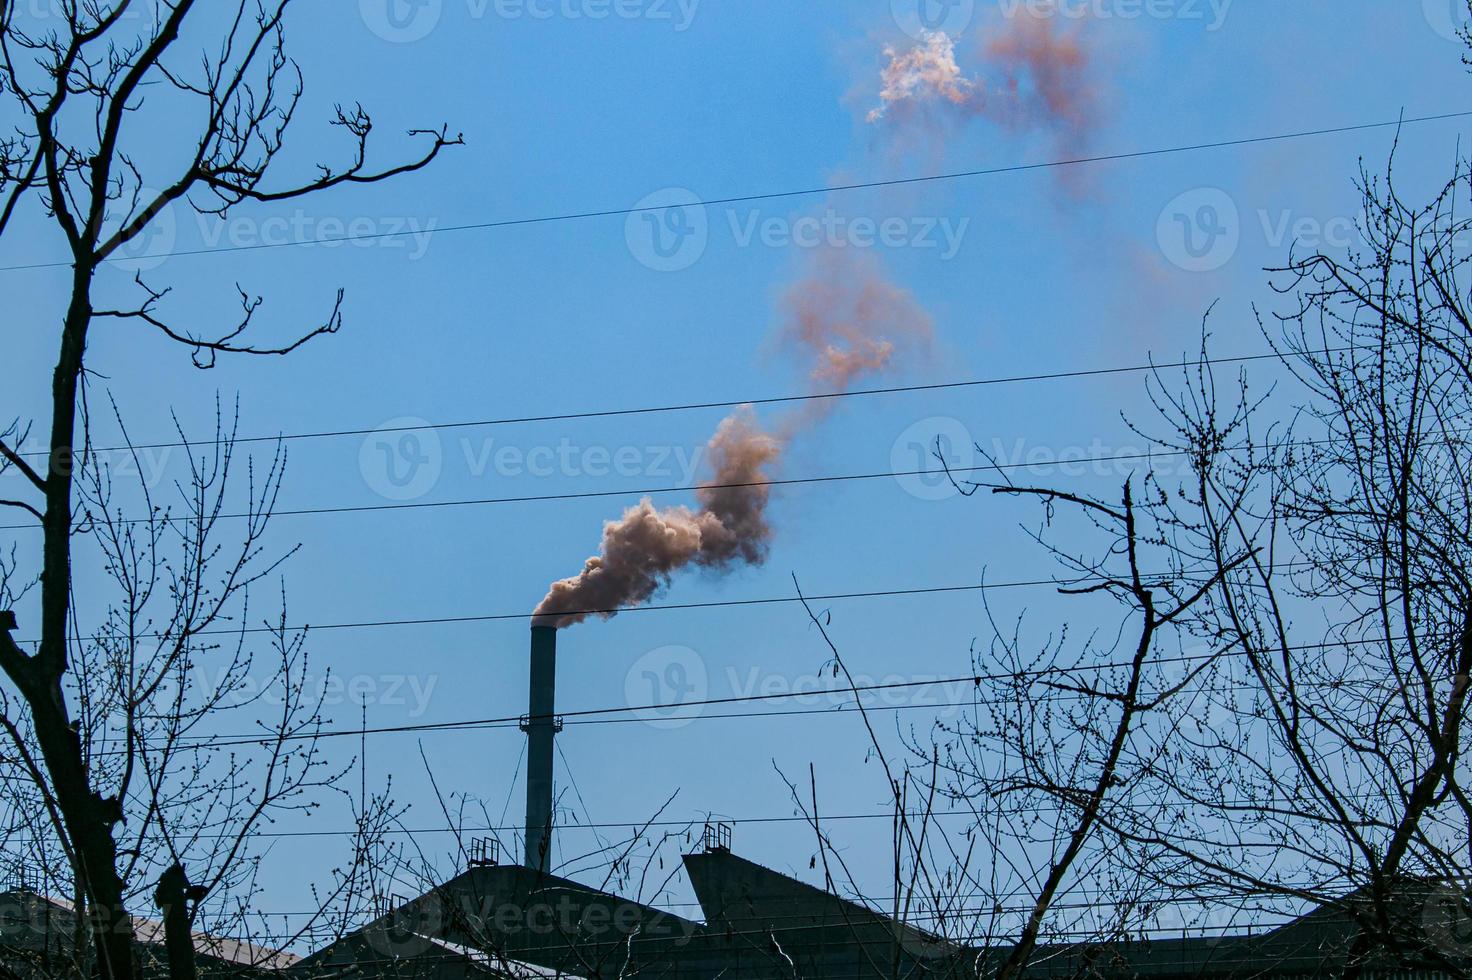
x=485, y=852
x=387, y=903
x=717, y=838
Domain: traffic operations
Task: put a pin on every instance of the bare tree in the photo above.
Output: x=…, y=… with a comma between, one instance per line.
x=927, y=874
x=1054, y=736
x=1366, y=502
x=1307, y=751
x=85, y=84
x=212, y=723
x=1032, y=778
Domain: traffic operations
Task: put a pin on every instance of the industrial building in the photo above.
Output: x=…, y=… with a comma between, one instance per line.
x=519, y=921
x=511, y=922
x=39, y=933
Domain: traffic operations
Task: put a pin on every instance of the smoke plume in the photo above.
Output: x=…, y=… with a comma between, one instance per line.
x=847, y=322
x=926, y=73
x=1046, y=74
x=644, y=547
x=1034, y=75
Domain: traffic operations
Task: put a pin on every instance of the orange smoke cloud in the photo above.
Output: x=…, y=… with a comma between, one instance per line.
x=849, y=322
x=647, y=545
x=1047, y=77
x=1035, y=74
x=927, y=72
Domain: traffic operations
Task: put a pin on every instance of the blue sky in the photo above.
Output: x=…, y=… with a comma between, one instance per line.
x=565, y=114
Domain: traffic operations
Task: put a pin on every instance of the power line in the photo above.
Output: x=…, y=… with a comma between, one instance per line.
x=491, y=956
x=587, y=813
x=689, y=406
x=653, y=607
x=616, y=610
x=735, y=821
x=596, y=716
x=1187, y=899
x=165, y=519
x=649, y=491
x=802, y=192
x=597, y=494
x=832, y=711
x=731, y=403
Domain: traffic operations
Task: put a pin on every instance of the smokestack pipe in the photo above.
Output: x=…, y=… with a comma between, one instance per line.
x=540, y=727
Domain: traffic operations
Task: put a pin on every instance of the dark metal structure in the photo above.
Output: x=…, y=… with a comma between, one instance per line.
x=541, y=725
x=754, y=923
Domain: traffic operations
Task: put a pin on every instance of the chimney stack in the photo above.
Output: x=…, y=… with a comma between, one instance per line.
x=541, y=725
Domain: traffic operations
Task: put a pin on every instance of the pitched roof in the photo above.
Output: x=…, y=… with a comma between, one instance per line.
x=38, y=923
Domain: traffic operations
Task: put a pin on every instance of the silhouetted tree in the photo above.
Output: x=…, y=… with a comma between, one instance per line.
x=88, y=718
x=1309, y=709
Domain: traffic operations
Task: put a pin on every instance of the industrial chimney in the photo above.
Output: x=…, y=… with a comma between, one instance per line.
x=540, y=725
